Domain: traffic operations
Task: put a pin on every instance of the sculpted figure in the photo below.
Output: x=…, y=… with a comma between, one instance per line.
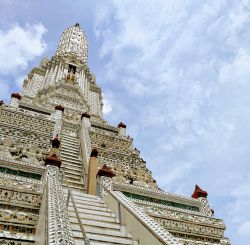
x=71, y=77
x=5, y=147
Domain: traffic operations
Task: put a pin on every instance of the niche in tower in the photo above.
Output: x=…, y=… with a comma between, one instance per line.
x=72, y=68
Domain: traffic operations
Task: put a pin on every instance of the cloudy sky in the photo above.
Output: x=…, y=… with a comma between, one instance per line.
x=177, y=72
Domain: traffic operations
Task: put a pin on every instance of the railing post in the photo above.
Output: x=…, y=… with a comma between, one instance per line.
x=104, y=178
x=68, y=197
x=59, y=230
x=120, y=213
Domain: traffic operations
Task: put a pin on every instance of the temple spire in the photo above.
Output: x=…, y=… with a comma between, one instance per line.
x=73, y=43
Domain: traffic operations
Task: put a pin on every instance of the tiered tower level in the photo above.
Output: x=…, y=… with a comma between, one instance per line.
x=55, y=141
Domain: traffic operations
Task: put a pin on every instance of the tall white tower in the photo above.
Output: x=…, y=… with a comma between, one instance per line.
x=65, y=75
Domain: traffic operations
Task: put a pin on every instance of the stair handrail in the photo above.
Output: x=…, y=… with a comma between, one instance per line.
x=128, y=209
x=70, y=196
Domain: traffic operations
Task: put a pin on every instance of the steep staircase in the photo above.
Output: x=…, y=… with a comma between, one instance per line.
x=71, y=163
x=100, y=224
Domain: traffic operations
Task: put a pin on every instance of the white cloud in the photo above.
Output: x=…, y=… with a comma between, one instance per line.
x=20, y=45
x=107, y=107
x=4, y=90
x=244, y=229
x=237, y=71
x=178, y=172
x=19, y=81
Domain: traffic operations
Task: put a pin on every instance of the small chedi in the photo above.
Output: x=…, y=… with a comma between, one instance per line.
x=68, y=177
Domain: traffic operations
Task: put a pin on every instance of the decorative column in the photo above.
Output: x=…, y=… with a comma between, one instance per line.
x=202, y=197
x=122, y=129
x=105, y=175
x=92, y=172
x=84, y=138
x=15, y=99
x=59, y=230
x=58, y=124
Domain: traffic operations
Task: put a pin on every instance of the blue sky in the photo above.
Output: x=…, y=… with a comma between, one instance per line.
x=176, y=72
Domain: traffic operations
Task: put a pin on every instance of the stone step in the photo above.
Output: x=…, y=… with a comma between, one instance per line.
x=69, y=141
x=94, y=217
x=105, y=231
x=67, y=136
x=95, y=208
x=100, y=231
x=89, y=211
x=76, y=188
x=66, y=159
x=70, y=153
x=89, y=202
x=108, y=243
x=73, y=148
x=72, y=166
x=74, y=182
x=73, y=178
x=69, y=157
x=96, y=223
x=69, y=145
x=85, y=195
x=106, y=238
x=69, y=171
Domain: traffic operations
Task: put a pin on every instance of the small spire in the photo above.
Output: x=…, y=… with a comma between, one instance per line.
x=121, y=125
x=85, y=114
x=55, y=142
x=94, y=153
x=53, y=160
x=59, y=107
x=106, y=171
x=16, y=95
x=198, y=192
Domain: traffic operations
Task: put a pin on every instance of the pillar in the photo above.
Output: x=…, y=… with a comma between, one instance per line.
x=105, y=175
x=92, y=172
x=58, y=224
x=58, y=118
x=84, y=138
x=122, y=129
x=15, y=99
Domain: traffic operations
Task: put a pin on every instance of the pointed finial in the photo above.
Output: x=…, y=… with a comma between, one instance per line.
x=198, y=192
x=121, y=125
x=16, y=95
x=94, y=153
x=106, y=171
x=55, y=142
